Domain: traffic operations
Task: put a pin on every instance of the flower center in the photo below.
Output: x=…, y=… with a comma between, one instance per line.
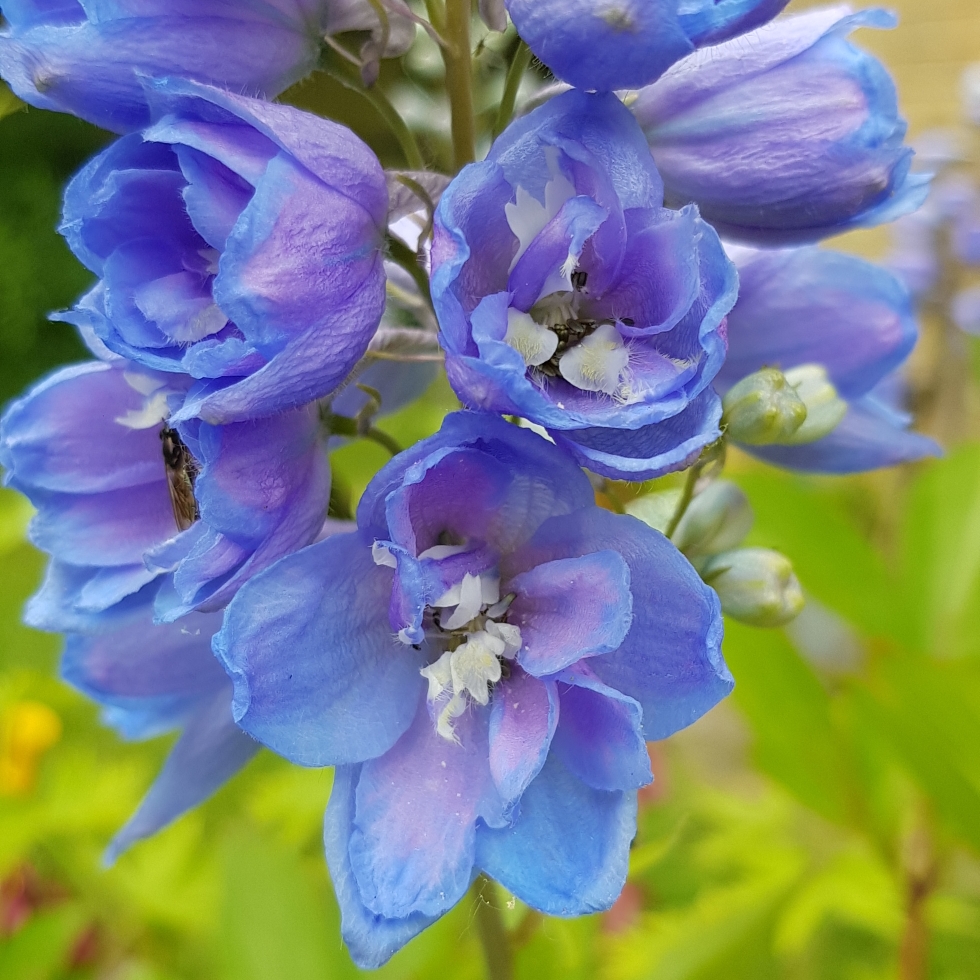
x=469, y=619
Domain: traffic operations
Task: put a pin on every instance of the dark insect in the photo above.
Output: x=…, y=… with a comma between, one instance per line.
x=181, y=469
x=579, y=279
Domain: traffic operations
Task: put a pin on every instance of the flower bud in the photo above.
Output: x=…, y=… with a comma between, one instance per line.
x=717, y=520
x=755, y=585
x=825, y=409
x=763, y=408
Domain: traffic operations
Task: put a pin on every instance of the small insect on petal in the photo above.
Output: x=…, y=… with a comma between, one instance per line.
x=181, y=469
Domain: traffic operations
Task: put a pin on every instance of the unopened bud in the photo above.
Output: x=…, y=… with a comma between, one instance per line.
x=755, y=585
x=825, y=409
x=717, y=519
x=762, y=409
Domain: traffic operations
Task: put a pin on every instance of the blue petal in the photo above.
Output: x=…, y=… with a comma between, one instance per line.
x=651, y=451
x=670, y=661
x=788, y=139
x=569, y=850
x=592, y=47
x=416, y=812
x=371, y=939
x=600, y=734
x=149, y=677
x=318, y=676
x=208, y=753
x=523, y=718
x=91, y=70
x=569, y=609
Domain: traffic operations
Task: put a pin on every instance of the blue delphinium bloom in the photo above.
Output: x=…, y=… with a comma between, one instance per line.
x=134, y=512
x=784, y=136
x=238, y=242
x=150, y=679
x=488, y=653
x=628, y=43
x=813, y=306
x=567, y=294
x=84, y=56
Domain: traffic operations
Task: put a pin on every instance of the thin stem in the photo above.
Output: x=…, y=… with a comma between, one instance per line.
x=350, y=78
x=459, y=80
x=515, y=75
x=687, y=495
x=399, y=252
x=493, y=934
x=341, y=425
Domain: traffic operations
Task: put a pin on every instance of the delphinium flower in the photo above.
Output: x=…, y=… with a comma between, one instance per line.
x=237, y=242
x=826, y=332
x=488, y=652
x=567, y=294
x=135, y=508
x=151, y=679
x=87, y=57
x=628, y=43
x=787, y=135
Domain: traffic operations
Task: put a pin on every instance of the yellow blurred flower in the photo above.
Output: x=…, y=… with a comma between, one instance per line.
x=27, y=731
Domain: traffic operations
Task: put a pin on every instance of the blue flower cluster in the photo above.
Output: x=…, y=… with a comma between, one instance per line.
x=484, y=650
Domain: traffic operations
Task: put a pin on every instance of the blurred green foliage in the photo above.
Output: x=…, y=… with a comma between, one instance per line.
x=824, y=824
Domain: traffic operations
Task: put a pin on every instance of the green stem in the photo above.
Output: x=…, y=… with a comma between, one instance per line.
x=515, y=75
x=490, y=928
x=687, y=495
x=459, y=80
x=399, y=252
x=341, y=425
x=350, y=78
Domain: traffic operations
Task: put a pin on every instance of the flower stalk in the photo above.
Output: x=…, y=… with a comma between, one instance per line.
x=493, y=934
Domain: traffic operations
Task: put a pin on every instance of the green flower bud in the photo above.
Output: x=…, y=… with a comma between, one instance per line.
x=717, y=519
x=825, y=409
x=755, y=585
x=762, y=409
x=655, y=509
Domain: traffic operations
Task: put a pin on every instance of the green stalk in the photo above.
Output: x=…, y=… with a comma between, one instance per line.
x=515, y=74
x=492, y=932
x=687, y=494
x=459, y=79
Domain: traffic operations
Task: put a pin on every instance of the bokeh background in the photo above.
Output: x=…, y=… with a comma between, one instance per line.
x=823, y=824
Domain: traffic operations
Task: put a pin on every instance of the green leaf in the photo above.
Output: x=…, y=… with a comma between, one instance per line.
x=40, y=948
x=8, y=101
x=789, y=712
x=941, y=554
